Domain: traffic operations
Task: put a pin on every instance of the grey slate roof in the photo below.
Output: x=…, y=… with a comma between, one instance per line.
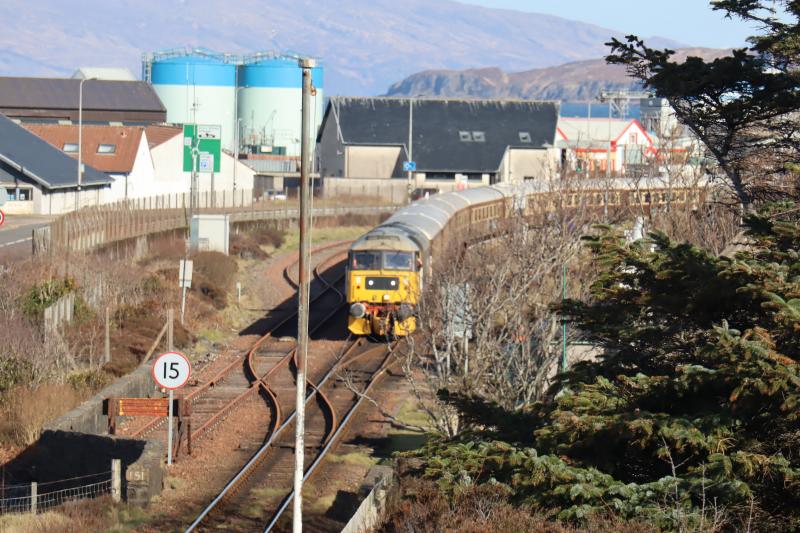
x=62, y=93
x=40, y=161
x=436, y=125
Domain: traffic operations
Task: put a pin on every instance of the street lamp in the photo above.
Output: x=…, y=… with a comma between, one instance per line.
x=80, y=142
x=236, y=138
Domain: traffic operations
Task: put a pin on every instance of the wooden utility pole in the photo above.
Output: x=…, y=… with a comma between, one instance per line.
x=108, y=338
x=303, y=311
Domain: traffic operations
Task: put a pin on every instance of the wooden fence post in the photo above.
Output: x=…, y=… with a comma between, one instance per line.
x=170, y=330
x=108, y=338
x=116, y=480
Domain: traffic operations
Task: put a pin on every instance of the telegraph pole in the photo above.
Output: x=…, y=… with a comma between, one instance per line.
x=305, y=273
x=410, y=141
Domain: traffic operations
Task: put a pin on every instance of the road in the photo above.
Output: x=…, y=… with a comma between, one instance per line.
x=15, y=235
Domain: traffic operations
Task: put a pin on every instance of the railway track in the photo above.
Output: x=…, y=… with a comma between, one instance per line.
x=240, y=378
x=257, y=497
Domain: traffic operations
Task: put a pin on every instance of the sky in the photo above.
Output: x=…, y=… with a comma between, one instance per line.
x=692, y=22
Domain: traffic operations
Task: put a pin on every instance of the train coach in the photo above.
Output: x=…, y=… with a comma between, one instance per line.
x=387, y=267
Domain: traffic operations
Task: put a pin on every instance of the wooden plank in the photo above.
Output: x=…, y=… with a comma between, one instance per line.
x=142, y=407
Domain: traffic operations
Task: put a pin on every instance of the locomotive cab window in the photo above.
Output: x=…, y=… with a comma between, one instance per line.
x=398, y=260
x=365, y=260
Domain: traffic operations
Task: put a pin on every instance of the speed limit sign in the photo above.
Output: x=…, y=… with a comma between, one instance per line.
x=2, y=218
x=172, y=370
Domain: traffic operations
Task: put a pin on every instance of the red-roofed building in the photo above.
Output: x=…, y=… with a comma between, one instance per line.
x=587, y=143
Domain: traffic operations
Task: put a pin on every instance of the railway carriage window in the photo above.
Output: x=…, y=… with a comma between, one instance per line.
x=366, y=261
x=398, y=260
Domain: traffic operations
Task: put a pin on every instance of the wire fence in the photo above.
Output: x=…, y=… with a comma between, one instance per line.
x=38, y=497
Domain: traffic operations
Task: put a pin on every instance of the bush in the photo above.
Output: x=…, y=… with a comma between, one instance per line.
x=243, y=245
x=217, y=268
x=42, y=295
x=479, y=508
x=88, y=380
x=269, y=236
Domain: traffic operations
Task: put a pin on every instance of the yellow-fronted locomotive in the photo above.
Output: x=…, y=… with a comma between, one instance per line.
x=383, y=281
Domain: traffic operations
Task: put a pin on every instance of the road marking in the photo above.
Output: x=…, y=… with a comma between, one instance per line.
x=16, y=242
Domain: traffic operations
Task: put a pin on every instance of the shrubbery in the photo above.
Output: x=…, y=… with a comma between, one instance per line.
x=690, y=418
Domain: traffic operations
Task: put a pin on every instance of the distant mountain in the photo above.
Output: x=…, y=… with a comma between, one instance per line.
x=575, y=81
x=365, y=44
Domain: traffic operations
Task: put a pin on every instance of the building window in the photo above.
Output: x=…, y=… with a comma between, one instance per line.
x=440, y=175
x=71, y=148
x=524, y=137
x=106, y=148
x=478, y=136
x=475, y=176
x=19, y=195
x=464, y=136
x=634, y=138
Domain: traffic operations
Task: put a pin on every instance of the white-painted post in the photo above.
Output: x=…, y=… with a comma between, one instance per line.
x=34, y=497
x=169, y=429
x=116, y=480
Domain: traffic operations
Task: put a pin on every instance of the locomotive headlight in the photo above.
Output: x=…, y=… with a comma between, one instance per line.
x=358, y=310
x=386, y=296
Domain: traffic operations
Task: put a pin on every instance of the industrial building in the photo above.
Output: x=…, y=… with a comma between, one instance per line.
x=56, y=100
x=41, y=179
x=451, y=140
x=256, y=99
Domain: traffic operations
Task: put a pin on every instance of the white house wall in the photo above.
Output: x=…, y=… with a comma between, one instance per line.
x=170, y=178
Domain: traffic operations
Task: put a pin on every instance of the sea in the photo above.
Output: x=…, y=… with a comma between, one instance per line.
x=581, y=110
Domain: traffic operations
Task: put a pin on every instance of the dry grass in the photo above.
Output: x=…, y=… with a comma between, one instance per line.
x=27, y=409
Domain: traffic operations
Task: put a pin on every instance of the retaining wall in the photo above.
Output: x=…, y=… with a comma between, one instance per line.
x=91, y=416
x=378, y=487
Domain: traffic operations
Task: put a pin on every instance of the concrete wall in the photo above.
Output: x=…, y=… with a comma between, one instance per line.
x=90, y=416
x=373, y=161
x=526, y=163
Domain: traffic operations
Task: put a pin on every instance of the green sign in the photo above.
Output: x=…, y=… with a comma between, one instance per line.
x=207, y=140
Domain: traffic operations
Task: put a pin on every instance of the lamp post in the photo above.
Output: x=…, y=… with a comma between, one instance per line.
x=80, y=141
x=236, y=136
x=306, y=161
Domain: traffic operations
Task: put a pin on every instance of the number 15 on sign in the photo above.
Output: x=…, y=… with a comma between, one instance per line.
x=171, y=371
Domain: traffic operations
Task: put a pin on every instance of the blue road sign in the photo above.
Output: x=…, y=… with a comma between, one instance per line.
x=409, y=166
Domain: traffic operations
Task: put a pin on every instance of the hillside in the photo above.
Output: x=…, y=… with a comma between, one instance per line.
x=575, y=81
x=364, y=44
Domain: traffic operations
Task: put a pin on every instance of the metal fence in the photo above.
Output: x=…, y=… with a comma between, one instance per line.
x=38, y=497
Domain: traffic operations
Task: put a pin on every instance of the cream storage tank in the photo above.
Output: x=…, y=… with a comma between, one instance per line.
x=196, y=86
x=269, y=102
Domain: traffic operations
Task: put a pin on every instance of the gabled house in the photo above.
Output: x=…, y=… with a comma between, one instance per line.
x=587, y=144
x=41, y=179
x=122, y=152
x=467, y=141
